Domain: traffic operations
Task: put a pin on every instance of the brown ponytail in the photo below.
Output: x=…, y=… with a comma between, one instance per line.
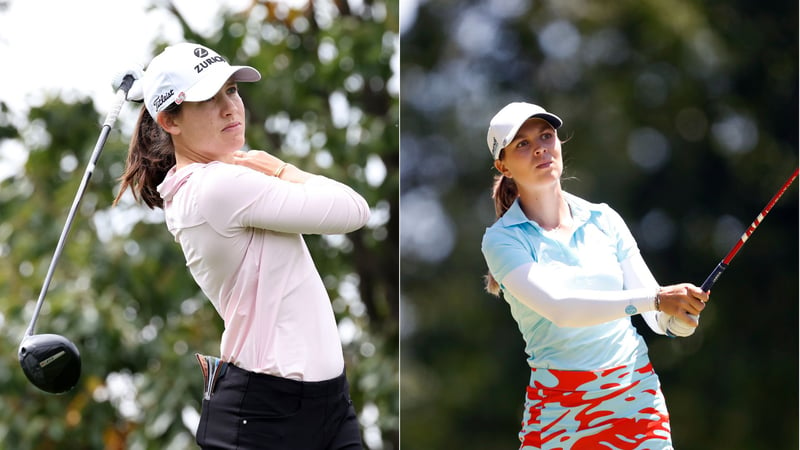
x=504, y=192
x=150, y=156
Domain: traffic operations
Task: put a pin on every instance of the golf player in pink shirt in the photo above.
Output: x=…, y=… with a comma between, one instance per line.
x=239, y=217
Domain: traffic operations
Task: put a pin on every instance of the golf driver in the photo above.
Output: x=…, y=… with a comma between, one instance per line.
x=50, y=361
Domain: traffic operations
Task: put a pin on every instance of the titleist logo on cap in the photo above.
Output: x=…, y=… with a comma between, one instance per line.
x=162, y=97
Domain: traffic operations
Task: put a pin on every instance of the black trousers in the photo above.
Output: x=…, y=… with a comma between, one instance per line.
x=249, y=411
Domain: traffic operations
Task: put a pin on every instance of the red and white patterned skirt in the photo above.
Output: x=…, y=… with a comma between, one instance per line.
x=620, y=409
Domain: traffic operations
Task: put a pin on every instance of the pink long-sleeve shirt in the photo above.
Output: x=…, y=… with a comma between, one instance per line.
x=241, y=233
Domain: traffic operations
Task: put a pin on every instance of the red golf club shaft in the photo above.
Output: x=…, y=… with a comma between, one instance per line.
x=712, y=278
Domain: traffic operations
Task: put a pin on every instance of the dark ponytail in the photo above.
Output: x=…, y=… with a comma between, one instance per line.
x=504, y=192
x=150, y=156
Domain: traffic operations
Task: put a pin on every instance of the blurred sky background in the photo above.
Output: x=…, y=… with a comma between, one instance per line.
x=62, y=46
x=73, y=49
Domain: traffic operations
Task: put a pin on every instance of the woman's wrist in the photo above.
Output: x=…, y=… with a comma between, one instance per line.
x=642, y=300
x=657, y=299
x=280, y=170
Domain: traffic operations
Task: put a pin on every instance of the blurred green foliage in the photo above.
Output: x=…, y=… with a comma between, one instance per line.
x=121, y=290
x=683, y=116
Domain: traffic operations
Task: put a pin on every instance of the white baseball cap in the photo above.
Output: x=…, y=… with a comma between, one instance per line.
x=505, y=124
x=188, y=72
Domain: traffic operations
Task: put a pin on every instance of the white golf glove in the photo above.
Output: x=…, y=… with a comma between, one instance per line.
x=135, y=93
x=675, y=327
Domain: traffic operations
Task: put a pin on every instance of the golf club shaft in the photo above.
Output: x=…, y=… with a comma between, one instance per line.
x=111, y=117
x=715, y=274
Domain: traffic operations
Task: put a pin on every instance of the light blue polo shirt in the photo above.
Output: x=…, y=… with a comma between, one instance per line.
x=590, y=260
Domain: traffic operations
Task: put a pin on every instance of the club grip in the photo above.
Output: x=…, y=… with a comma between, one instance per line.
x=127, y=82
x=712, y=278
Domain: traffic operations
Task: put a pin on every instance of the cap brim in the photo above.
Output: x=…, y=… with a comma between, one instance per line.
x=552, y=119
x=210, y=84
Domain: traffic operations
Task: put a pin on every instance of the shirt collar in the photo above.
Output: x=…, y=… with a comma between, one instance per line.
x=581, y=212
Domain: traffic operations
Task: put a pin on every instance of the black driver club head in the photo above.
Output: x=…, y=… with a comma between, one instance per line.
x=50, y=361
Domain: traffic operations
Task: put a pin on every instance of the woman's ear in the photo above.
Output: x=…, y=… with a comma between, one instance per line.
x=167, y=122
x=498, y=164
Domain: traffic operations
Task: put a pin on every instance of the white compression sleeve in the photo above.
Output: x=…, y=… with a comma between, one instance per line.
x=637, y=275
x=574, y=307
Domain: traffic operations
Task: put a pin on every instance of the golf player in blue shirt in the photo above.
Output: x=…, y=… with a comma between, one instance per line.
x=573, y=275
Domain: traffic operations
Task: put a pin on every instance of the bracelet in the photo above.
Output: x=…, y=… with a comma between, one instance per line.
x=278, y=172
x=658, y=299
